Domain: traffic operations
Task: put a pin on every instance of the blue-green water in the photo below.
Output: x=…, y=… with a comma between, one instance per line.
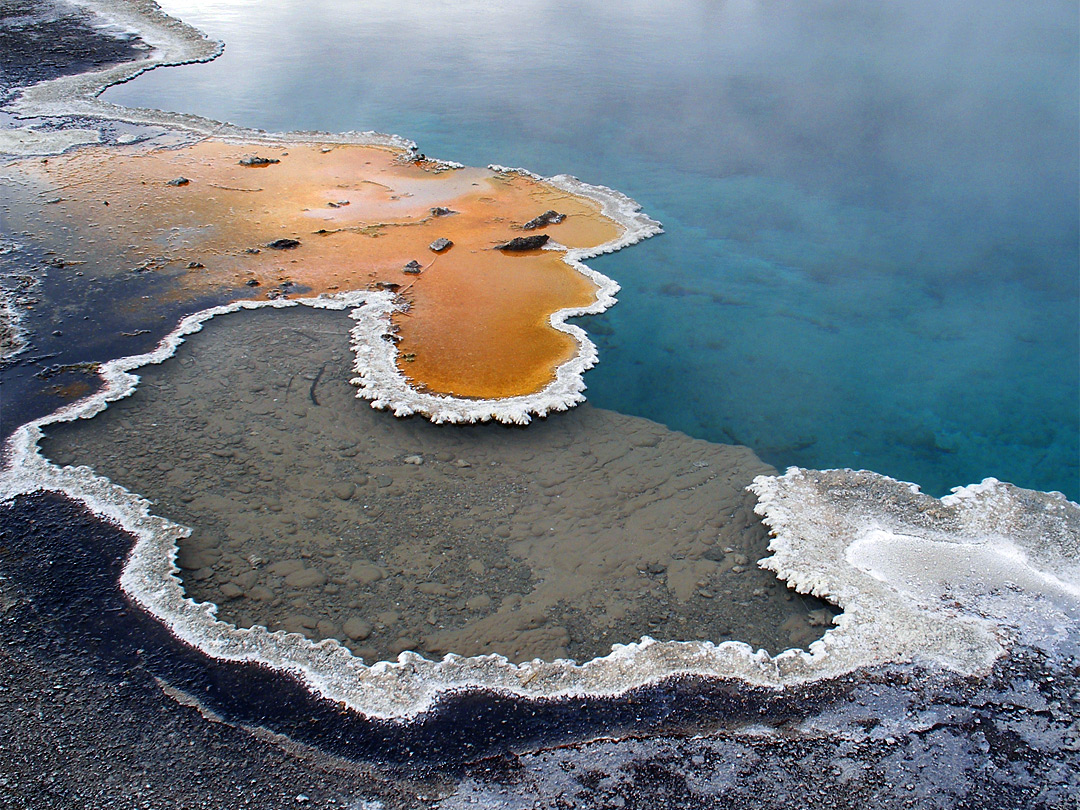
x=871, y=207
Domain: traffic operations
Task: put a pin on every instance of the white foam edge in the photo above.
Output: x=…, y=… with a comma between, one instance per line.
x=401, y=689
x=380, y=380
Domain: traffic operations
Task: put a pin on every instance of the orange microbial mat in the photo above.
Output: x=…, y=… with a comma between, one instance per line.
x=289, y=219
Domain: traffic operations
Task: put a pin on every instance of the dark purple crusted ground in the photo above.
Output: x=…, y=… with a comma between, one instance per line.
x=42, y=39
x=85, y=721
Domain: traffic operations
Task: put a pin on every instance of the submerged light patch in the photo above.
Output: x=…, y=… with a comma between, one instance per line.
x=314, y=515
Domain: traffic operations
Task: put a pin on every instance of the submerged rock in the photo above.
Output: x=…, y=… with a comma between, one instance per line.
x=283, y=244
x=546, y=218
x=522, y=243
x=256, y=160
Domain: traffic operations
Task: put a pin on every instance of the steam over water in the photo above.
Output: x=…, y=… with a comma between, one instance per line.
x=871, y=212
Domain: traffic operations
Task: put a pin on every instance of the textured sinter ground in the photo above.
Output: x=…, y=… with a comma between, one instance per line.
x=313, y=513
x=322, y=218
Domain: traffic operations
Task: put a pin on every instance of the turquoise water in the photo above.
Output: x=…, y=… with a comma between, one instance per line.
x=871, y=209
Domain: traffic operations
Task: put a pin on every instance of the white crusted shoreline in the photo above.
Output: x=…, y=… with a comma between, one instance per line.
x=858, y=539
x=172, y=42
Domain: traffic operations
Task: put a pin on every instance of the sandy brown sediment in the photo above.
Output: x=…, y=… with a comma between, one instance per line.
x=314, y=514
x=476, y=320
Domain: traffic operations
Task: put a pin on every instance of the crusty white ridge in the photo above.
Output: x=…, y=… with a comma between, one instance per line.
x=951, y=582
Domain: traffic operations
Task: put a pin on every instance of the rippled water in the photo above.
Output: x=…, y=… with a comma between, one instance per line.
x=871, y=209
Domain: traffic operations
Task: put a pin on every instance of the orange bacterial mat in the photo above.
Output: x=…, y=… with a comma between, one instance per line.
x=281, y=219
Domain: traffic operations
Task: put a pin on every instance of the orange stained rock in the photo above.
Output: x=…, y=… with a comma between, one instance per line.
x=478, y=321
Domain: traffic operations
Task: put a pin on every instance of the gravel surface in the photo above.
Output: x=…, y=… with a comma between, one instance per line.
x=315, y=514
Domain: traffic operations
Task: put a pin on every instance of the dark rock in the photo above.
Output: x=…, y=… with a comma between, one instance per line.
x=283, y=244
x=714, y=553
x=413, y=268
x=151, y=264
x=195, y=265
x=441, y=244
x=252, y=250
x=524, y=243
x=387, y=285
x=251, y=282
x=546, y=218
x=338, y=204
x=255, y=160
x=178, y=181
x=653, y=568
x=442, y=212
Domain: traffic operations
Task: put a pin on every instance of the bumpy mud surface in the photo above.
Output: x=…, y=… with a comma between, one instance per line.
x=312, y=513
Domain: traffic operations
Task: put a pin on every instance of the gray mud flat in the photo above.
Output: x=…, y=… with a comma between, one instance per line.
x=315, y=514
